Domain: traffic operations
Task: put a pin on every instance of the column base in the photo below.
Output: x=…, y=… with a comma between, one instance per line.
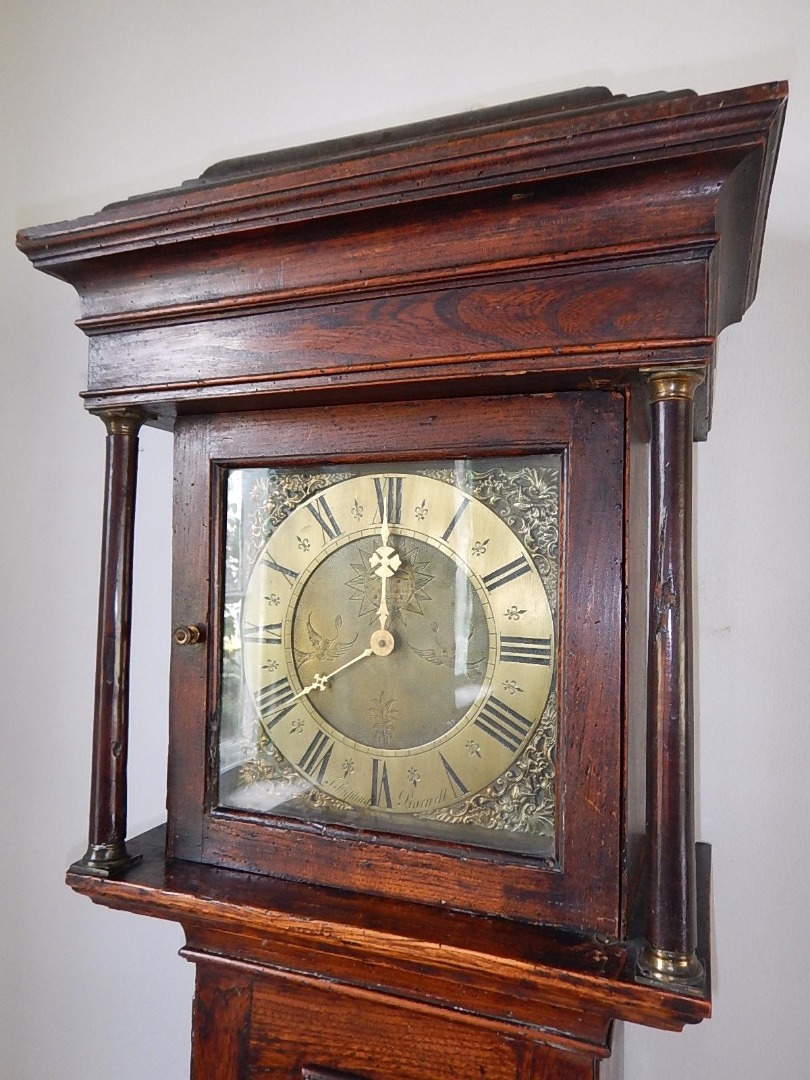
x=672, y=969
x=105, y=860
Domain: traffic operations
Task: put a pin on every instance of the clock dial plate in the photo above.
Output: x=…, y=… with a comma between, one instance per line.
x=448, y=731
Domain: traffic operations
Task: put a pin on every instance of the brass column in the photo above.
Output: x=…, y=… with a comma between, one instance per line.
x=107, y=852
x=670, y=927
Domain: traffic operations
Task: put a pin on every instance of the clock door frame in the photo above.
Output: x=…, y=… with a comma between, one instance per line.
x=582, y=887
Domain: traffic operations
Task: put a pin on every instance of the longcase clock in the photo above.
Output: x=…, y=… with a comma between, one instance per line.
x=433, y=394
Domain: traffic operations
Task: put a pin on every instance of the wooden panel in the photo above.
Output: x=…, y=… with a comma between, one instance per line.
x=371, y=1038
x=220, y=1024
x=192, y=665
x=635, y=687
x=640, y=304
x=568, y=224
x=550, y=1063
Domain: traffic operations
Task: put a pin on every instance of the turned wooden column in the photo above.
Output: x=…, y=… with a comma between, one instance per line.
x=107, y=852
x=670, y=927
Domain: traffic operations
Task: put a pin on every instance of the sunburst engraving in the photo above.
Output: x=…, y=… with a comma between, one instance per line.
x=406, y=592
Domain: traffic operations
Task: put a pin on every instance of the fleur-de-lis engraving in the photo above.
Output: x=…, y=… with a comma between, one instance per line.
x=383, y=716
x=303, y=543
x=511, y=687
x=480, y=547
x=514, y=612
x=273, y=599
x=271, y=665
x=297, y=725
x=421, y=511
x=348, y=767
x=473, y=749
x=413, y=776
x=357, y=510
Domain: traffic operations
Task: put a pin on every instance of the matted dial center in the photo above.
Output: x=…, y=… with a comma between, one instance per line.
x=427, y=666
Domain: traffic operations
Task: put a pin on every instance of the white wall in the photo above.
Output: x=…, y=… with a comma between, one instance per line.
x=102, y=100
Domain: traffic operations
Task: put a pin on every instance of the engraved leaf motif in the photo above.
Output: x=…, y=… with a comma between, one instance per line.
x=383, y=717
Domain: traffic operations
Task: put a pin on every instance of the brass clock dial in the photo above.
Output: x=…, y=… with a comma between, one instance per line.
x=397, y=641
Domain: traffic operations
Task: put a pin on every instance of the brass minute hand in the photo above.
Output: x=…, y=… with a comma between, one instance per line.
x=320, y=682
x=381, y=644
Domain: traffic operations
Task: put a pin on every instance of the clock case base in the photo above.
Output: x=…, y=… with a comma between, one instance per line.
x=399, y=989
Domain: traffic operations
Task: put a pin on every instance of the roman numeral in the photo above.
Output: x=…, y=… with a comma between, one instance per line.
x=506, y=573
x=317, y=755
x=455, y=783
x=456, y=518
x=269, y=634
x=325, y=518
x=526, y=650
x=275, y=700
x=503, y=724
x=379, y=784
x=389, y=490
x=291, y=575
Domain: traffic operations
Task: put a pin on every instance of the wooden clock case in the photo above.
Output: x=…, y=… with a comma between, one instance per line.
x=548, y=274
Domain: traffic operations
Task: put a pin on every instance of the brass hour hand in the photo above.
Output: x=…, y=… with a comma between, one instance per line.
x=385, y=562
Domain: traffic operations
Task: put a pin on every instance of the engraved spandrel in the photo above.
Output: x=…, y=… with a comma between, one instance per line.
x=521, y=800
x=273, y=497
x=527, y=499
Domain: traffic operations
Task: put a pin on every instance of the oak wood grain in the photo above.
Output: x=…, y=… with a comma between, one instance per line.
x=532, y=977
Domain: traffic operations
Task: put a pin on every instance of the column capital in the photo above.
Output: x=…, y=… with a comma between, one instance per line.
x=122, y=421
x=673, y=383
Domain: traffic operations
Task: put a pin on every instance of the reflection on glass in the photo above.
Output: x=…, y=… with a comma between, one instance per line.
x=389, y=647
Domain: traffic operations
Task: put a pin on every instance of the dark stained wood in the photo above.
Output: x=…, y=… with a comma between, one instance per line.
x=530, y=977
x=446, y=325
x=636, y=571
x=528, y=372
x=538, y=229
x=107, y=852
x=671, y=921
x=522, y=147
x=501, y=282
x=579, y=888
x=401, y=1039
x=194, y=668
x=314, y=270
x=222, y=1011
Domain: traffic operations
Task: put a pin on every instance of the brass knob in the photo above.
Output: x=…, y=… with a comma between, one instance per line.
x=188, y=635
